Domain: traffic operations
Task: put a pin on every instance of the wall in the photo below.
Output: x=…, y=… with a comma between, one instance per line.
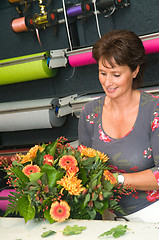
x=140, y=17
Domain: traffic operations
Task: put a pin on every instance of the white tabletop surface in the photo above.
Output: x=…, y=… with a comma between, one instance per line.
x=16, y=229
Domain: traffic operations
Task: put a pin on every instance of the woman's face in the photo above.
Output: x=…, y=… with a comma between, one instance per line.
x=116, y=81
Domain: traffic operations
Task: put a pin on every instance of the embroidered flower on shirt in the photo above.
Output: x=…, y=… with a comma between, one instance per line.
x=115, y=169
x=103, y=137
x=155, y=122
x=134, y=168
x=153, y=195
x=90, y=118
x=147, y=153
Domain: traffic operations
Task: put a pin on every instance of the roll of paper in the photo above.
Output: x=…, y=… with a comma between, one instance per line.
x=27, y=115
x=81, y=59
x=39, y=119
x=151, y=46
x=25, y=68
x=4, y=194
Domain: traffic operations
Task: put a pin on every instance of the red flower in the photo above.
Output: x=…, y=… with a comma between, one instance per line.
x=67, y=161
x=48, y=159
x=152, y=195
x=155, y=123
x=114, y=169
x=103, y=137
x=60, y=211
x=134, y=168
x=72, y=170
x=80, y=148
x=27, y=170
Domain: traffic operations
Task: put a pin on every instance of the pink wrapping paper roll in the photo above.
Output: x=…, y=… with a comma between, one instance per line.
x=81, y=59
x=151, y=46
x=5, y=193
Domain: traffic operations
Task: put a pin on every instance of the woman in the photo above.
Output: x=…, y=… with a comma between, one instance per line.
x=124, y=123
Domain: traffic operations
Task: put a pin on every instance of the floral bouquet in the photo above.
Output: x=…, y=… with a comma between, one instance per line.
x=56, y=181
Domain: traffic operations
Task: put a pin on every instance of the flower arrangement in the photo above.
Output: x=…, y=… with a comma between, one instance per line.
x=56, y=181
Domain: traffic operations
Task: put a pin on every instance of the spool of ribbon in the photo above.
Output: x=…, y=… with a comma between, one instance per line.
x=19, y=25
x=23, y=24
x=74, y=11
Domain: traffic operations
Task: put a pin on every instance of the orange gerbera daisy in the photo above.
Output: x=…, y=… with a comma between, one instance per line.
x=110, y=177
x=60, y=211
x=90, y=152
x=72, y=184
x=27, y=170
x=31, y=154
x=72, y=170
x=67, y=161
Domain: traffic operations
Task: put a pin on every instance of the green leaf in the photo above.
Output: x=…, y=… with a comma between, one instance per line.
x=95, y=176
x=22, y=177
x=82, y=175
x=12, y=206
x=48, y=216
x=87, y=199
x=25, y=209
x=35, y=176
x=105, y=206
x=116, y=231
x=68, y=230
x=88, y=163
x=51, y=148
x=92, y=213
x=52, y=174
x=95, y=196
x=40, y=158
x=15, y=163
x=48, y=233
x=98, y=205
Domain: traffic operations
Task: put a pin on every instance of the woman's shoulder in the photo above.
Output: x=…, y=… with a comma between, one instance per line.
x=149, y=99
x=94, y=105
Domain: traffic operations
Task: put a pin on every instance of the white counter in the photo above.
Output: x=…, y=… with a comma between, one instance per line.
x=16, y=229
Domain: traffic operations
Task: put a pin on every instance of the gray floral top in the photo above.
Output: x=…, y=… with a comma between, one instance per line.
x=138, y=150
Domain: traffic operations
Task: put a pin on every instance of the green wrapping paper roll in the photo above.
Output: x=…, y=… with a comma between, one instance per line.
x=26, y=68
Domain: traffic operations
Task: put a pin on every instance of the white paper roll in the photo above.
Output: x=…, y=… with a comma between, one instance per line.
x=38, y=119
x=27, y=115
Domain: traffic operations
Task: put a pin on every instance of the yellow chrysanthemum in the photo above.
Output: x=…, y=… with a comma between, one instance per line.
x=31, y=154
x=109, y=176
x=72, y=184
x=89, y=152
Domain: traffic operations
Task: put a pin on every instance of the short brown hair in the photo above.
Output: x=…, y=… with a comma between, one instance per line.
x=126, y=48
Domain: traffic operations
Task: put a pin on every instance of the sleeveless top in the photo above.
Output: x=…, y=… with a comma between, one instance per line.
x=138, y=150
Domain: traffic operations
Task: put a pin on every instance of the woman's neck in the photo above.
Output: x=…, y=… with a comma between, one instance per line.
x=123, y=103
